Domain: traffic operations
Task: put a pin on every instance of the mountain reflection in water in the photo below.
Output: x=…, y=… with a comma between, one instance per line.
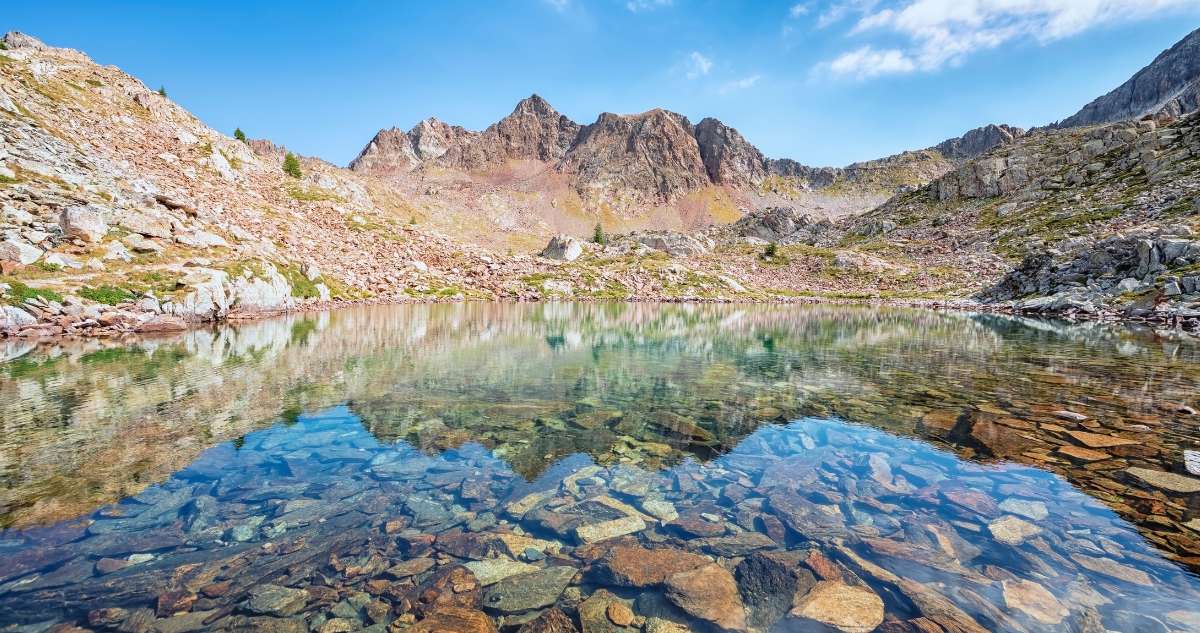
x=747, y=434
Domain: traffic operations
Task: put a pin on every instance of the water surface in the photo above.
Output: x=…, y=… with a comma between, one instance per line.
x=383, y=466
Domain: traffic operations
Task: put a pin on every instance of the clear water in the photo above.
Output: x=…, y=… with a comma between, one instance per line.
x=333, y=472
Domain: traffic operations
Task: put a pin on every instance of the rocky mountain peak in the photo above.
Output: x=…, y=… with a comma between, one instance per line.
x=1169, y=86
x=390, y=152
x=17, y=39
x=728, y=157
x=654, y=153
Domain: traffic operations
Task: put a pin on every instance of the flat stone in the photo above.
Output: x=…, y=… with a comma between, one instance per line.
x=526, y=592
x=410, y=567
x=1166, y=481
x=596, y=614
x=1011, y=530
x=605, y=530
x=1113, y=569
x=1070, y=415
x=1034, y=601
x=1035, y=510
x=1096, y=440
x=448, y=619
x=276, y=600
x=1083, y=454
x=634, y=566
x=708, y=593
x=847, y=608
x=660, y=509
x=492, y=570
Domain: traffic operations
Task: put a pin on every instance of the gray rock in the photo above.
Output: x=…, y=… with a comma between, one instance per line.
x=16, y=250
x=84, y=222
x=526, y=592
x=563, y=248
x=276, y=600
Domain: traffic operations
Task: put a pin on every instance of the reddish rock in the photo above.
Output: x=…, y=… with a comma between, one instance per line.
x=708, y=593
x=634, y=566
x=172, y=602
x=552, y=620
x=451, y=619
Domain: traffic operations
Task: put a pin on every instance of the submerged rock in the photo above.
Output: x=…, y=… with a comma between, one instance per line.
x=708, y=593
x=847, y=608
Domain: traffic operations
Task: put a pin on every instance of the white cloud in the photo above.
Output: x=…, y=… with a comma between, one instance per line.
x=558, y=5
x=868, y=62
x=800, y=9
x=698, y=65
x=839, y=11
x=739, y=84
x=647, y=5
x=941, y=33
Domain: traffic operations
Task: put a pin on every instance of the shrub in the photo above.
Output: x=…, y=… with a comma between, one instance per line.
x=771, y=251
x=291, y=165
x=239, y=134
x=162, y=90
x=598, y=235
x=108, y=295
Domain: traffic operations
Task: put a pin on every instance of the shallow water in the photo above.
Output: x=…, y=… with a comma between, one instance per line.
x=334, y=471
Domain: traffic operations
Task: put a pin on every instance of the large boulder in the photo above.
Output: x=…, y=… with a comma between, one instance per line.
x=84, y=222
x=563, y=248
x=20, y=251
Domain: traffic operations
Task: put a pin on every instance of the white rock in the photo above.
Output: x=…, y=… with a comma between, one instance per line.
x=17, y=216
x=117, y=250
x=149, y=224
x=16, y=250
x=200, y=239
x=13, y=317
x=63, y=260
x=419, y=265
x=563, y=248
x=140, y=244
x=84, y=222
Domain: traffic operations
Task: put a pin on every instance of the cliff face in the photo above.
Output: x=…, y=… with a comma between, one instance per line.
x=1169, y=86
x=978, y=142
x=728, y=157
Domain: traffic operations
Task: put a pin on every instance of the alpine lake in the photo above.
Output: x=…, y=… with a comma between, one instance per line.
x=604, y=468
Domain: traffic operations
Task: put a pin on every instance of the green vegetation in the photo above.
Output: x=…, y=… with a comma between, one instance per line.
x=598, y=235
x=108, y=295
x=302, y=286
x=47, y=266
x=291, y=165
x=239, y=134
x=19, y=293
x=162, y=90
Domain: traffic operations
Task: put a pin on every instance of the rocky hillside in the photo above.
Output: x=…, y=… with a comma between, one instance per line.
x=1168, y=87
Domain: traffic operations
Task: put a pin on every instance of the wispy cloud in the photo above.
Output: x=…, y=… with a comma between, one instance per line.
x=558, y=5
x=940, y=33
x=800, y=9
x=698, y=65
x=738, y=84
x=647, y=5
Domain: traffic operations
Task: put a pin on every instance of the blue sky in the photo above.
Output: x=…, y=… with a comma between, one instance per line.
x=825, y=82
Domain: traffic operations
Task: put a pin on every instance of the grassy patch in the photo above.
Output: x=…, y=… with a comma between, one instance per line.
x=302, y=286
x=108, y=295
x=18, y=293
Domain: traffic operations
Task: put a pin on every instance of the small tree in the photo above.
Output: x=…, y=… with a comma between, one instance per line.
x=291, y=165
x=770, y=251
x=239, y=134
x=162, y=90
x=598, y=235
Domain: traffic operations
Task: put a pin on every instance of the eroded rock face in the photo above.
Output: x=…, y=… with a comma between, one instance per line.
x=1169, y=86
x=653, y=153
x=729, y=158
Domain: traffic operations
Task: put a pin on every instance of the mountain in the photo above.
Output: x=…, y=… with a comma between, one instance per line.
x=1169, y=86
x=977, y=142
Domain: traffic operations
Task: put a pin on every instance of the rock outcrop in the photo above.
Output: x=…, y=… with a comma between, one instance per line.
x=978, y=142
x=728, y=157
x=1168, y=87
